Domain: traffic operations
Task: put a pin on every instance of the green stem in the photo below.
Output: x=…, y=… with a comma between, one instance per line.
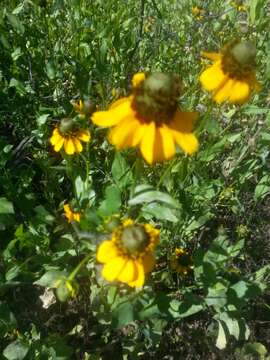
x=78, y=267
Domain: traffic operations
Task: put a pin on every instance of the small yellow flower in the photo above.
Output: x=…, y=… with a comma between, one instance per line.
x=238, y=6
x=69, y=137
x=128, y=255
x=197, y=12
x=71, y=215
x=84, y=108
x=232, y=76
x=181, y=261
x=150, y=119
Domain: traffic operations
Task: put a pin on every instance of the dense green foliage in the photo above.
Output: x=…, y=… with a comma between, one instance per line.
x=53, y=301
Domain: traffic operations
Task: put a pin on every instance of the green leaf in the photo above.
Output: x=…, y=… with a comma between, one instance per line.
x=121, y=172
x=262, y=188
x=255, y=348
x=6, y=206
x=221, y=341
x=15, y=23
x=17, y=350
x=51, y=278
x=7, y=320
x=160, y=212
x=147, y=194
x=112, y=202
x=123, y=315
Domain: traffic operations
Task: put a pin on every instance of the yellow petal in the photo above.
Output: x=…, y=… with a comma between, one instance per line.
x=211, y=55
x=138, y=78
x=77, y=144
x=77, y=217
x=84, y=135
x=139, y=281
x=113, y=268
x=240, y=92
x=148, y=262
x=187, y=141
x=69, y=146
x=184, y=121
x=128, y=273
x=114, y=115
x=59, y=144
x=107, y=251
x=122, y=134
x=224, y=92
x=213, y=77
x=148, y=141
x=56, y=136
x=120, y=101
x=167, y=142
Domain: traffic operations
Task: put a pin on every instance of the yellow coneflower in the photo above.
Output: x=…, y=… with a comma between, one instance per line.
x=150, y=119
x=232, y=76
x=71, y=215
x=181, y=261
x=128, y=255
x=69, y=137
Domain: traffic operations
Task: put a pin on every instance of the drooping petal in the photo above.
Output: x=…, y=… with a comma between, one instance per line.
x=139, y=281
x=240, y=92
x=129, y=272
x=84, y=135
x=114, y=115
x=214, y=56
x=224, y=92
x=213, y=77
x=113, y=268
x=187, y=142
x=56, y=136
x=184, y=121
x=69, y=146
x=122, y=134
x=107, y=251
x=148, y=141
x=59, y=144
x=148, y=262
x=77, y=145
x=167, y=142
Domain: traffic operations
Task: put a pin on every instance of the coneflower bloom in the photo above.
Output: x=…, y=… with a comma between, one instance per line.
x=69, y=137
x=232, y=76
x=128, y=255
x=150, y=119
x=181, y=261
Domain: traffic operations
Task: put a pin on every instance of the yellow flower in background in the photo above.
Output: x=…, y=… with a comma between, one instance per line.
x=71, y=215
x=197, y=12
x=238, y=5
x=83, y=108
x=181, y=261
x=69, y=137
x=150, y=119
x=128, y=255
x=232, y=76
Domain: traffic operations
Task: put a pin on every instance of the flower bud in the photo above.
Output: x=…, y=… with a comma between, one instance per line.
x=134, y=238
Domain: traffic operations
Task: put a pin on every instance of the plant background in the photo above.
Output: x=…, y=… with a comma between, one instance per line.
x=215, y=203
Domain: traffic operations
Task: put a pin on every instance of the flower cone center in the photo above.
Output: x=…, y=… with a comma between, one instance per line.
x=155, y=99
x=66, y=126
x=134, y=239
x=238, y=59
